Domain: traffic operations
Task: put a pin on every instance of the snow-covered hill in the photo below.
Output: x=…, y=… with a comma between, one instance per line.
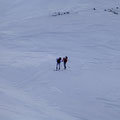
x=31, y=38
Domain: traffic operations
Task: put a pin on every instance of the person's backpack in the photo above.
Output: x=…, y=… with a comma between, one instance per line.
x=65, y=59
x=58, y=60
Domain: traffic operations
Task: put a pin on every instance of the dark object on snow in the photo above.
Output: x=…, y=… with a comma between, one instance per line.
x=117, y=7
x=109, y=10
x=58, y=63
x=67, y=12
x=115, y=12
x=112, y=11
x=65, y=59
x=60, y=13
x=94, y=8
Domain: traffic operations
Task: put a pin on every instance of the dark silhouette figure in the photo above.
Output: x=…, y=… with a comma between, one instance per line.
x=58, y=63
x=65, y=59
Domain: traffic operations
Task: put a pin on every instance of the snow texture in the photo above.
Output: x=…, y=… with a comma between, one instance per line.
x=31, y=38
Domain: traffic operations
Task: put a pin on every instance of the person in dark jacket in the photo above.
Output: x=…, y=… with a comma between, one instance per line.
x=64, y=60
x=58, y=63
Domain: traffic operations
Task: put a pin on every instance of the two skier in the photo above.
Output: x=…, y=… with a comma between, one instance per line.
x=59, y=60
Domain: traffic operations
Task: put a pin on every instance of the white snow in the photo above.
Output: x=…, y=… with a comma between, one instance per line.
x=30, y=41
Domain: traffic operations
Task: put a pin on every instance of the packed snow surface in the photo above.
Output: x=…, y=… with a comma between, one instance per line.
x=33, y=33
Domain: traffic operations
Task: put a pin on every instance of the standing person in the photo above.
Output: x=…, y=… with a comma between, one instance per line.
x=65, y=59
x=58, y=63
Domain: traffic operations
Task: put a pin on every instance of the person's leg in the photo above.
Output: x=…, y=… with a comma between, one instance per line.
x=57, y=66
x=64, y=65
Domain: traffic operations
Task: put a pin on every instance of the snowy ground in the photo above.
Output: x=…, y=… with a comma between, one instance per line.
x=31, y=40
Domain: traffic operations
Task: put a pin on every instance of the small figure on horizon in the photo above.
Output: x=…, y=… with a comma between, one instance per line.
x=64, y=60
x=58, y=63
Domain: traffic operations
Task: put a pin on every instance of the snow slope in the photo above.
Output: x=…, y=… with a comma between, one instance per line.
x=30, y=41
